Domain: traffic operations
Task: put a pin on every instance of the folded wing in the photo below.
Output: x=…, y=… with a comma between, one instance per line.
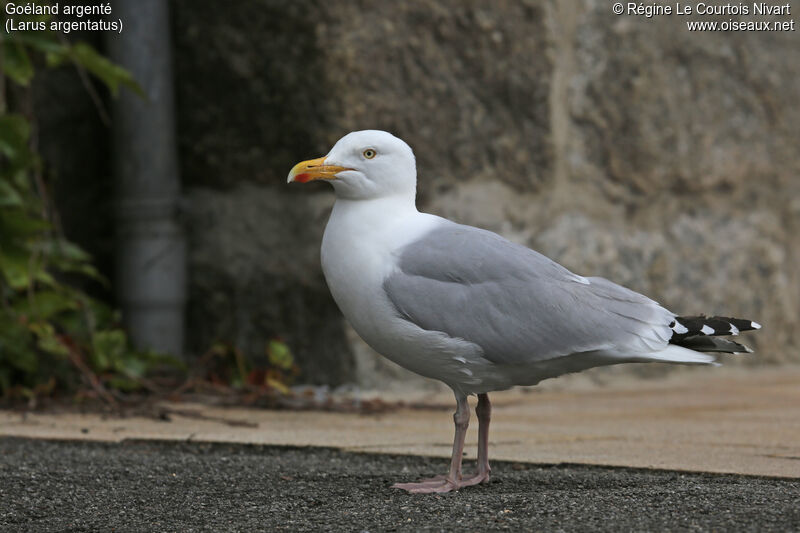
x=515, y=303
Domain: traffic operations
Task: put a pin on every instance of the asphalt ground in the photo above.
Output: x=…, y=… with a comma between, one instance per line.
x=186, y=486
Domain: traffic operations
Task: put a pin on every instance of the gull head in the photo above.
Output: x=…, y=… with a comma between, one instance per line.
x=363, y=165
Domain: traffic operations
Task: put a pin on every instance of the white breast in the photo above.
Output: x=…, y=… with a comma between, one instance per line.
x=359, y=247
x=359, y=250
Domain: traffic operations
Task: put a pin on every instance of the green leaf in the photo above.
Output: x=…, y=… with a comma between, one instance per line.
x=16, y=62
x=277, y=385
x=63, y=248
x=132, y=366
x=18, y=270
x=279, y=354
x=44, y=42
x=85, y=269
x=109, y=347
x=47, y=340
x=9, y=197
x=45, y=304
x=14, y=134
x=68, y=257
x=15, y=347
x=109, y=73
x=17, y=226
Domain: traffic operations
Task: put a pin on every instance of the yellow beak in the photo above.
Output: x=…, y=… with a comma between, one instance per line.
x=314, y=169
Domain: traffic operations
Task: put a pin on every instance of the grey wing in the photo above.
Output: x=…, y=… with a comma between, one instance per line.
x=516, y=304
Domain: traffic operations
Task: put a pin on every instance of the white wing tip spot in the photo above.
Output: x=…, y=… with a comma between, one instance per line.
x=707, y=330
x=679, y=328
x=755, y=325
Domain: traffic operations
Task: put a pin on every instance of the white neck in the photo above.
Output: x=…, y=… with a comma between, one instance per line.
x=374, y=228
x=375, y=210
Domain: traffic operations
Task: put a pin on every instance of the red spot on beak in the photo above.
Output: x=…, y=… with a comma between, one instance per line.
x=302, y=178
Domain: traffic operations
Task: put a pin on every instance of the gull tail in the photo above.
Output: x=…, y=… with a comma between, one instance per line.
x=678, y=354
x=700, y=333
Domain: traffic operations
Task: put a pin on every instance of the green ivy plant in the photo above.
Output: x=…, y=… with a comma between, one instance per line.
x=52, y=334
x=224, y=364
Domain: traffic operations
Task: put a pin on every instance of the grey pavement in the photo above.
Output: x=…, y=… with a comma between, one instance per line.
x=179, y=486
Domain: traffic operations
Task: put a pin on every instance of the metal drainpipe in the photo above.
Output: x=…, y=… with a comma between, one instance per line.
x=151, y=251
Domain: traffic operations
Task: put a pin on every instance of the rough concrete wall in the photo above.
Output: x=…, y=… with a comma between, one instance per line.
x=629, y=148
x=691, y=141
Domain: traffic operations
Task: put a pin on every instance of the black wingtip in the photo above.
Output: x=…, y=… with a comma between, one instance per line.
x=701, y=343
x=690, y=326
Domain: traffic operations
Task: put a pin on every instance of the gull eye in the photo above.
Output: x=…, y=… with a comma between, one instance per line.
x=369, y=153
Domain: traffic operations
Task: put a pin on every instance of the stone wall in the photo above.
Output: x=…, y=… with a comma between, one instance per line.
x=624, y=147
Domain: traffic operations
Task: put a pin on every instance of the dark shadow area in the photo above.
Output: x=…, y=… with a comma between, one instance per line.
x=251, y=91
x=252, y=99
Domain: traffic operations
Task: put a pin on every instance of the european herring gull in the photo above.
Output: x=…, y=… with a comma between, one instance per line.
x=469, y=308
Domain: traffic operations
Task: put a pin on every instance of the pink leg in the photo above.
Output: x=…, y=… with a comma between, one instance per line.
x=453, y=480
x=484, y=412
